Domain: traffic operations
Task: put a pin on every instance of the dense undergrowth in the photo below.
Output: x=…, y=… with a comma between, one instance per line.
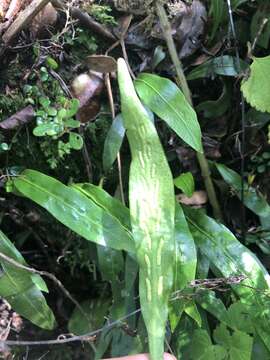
x=206, y=289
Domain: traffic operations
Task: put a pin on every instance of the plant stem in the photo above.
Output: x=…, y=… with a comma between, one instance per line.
x=182, y=83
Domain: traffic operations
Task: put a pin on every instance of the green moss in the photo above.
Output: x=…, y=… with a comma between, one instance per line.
x=101, y=13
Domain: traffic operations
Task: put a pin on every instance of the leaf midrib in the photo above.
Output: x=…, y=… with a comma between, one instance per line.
x=174, y=110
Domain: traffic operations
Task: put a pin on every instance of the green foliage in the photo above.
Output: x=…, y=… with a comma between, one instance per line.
x=230, y=257
x=113, y=142
x=74, y=210
x=223, y=65
x=260, y=163
x=151, y=184
x=101, y=13
x=256, y=88
x=92, y=319
x=238, y=345
x=216, y=108
x=166, y=100
x=262, y=14
x=185, y=182
x=22, y=289
x=54, y=118
x=240, y=317
x=202, y=348
x=78, y=43
x=217, y=10
x=253, y=200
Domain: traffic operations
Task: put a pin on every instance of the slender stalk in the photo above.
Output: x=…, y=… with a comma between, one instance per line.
x=182, y=83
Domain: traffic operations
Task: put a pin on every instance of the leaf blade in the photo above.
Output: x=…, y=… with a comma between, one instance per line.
x=165, y=99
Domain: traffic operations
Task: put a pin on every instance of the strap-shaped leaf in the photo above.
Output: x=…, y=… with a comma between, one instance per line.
x=74, y=210
x=19, y=288
x=152, y=209
x=186, y=256
x=232, y=258
x=166, y=100
x=106, y=202
x=113, y=142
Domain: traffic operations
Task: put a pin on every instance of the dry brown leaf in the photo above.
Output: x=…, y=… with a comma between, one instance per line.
x=19, y=118
x=101, y=63
x=198, y=199
x=43, y=21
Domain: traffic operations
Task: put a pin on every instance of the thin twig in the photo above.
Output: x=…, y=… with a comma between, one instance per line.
x=85, y=19
x=182, y=82
x=111, y=101
x=86, y=337
x=86, y=157
x=44, y=273
x=262, y=26
x=201, y=284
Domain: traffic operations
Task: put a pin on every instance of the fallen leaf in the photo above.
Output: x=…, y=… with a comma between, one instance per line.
x=101, y=63
x=198, y=199
x=19, y=118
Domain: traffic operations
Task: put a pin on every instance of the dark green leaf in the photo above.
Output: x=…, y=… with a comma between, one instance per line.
x=113, y=142
x=106, y=202
x=218, y=12
x=231, y=258
x=254, y=201
x=96, y=309
x=238, y=345
x=22, y=289
x=216, y=108
x=202, y=348
x=262, y=37
x=186, y=257
x=166, y=100
x=224, y=65
x=74, y=210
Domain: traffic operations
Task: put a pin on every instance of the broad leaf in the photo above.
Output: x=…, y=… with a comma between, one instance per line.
x=235, y=317
x=106, y=202
x=113, y=142
x=202, y=348
x=256, y=88
x=74, y=210
x=166, y=100
x=152, y=210
x=22, y=289
x=238, y=345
